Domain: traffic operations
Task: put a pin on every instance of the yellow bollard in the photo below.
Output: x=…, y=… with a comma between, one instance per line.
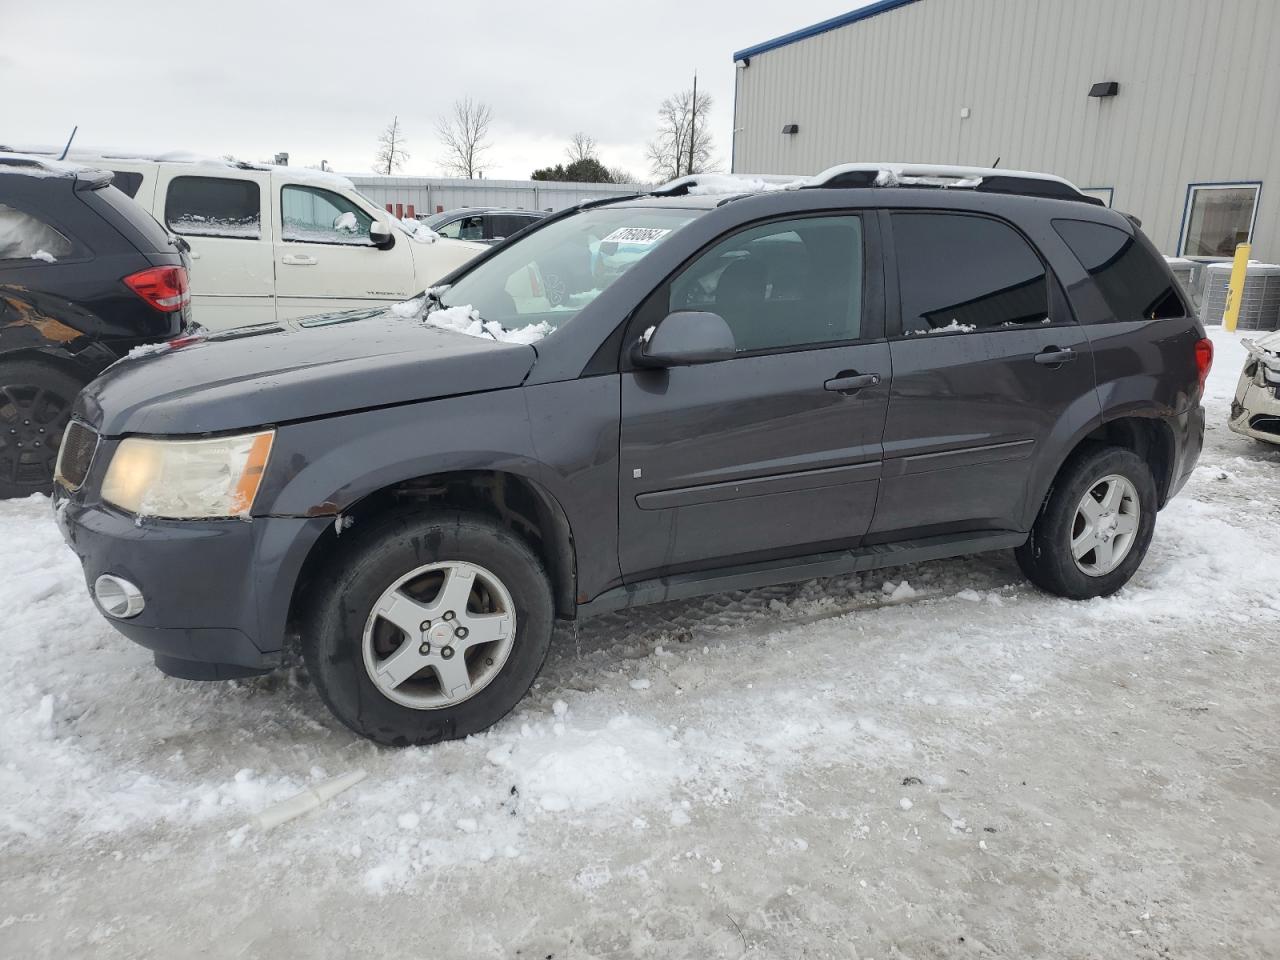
x=1235, y=288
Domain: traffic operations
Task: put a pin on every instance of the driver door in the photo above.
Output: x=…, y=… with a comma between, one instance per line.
x=325, y=260
x=776, y=452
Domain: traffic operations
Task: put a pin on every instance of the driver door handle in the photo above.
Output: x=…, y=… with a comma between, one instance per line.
x=1054, y=357
x=299, y=260
x=851, y=383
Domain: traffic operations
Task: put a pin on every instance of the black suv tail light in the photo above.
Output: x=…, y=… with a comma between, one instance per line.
x=1204, y=360
x=165, y=288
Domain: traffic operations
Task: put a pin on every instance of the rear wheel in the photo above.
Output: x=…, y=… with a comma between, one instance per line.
x=1095, y=527
x=35, y=405
x=428, y=628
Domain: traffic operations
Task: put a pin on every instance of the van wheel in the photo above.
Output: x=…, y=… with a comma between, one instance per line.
x=35, y=405
x=427, y=628
x=1095, y=527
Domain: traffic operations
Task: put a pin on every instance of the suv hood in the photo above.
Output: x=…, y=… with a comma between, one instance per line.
x=267, y=374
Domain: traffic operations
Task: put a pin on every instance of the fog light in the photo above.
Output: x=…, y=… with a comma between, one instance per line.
x=118, y=597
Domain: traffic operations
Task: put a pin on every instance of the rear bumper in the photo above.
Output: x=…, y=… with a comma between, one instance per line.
x=1188, y=433
x=217, y=592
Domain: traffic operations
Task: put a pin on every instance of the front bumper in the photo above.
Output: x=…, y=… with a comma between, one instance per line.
x=217, y=592
x=1255, y=412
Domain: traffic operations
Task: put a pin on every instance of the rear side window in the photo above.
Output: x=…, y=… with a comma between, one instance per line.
x=315, y=215
x=1133, y=283
x=214, y=207
x=126, y=181
x=960, y=273
x=24, y=237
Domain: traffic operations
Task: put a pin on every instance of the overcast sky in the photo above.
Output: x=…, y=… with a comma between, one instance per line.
x=321, y=79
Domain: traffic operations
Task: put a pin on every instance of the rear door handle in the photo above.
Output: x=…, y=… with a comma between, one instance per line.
x=299, y=260
x=851, y=383
x=1053, y=357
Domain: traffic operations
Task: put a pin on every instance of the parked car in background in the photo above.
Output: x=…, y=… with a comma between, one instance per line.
x=272, y=243
x=800, y=383
x=482, y=224
x=86, y=275
x=1255, y=412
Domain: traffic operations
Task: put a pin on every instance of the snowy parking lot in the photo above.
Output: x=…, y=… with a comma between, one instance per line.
x=928, y=761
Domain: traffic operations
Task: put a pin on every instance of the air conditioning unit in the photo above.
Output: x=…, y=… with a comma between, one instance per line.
x=1259, y=303
x=1184, y=270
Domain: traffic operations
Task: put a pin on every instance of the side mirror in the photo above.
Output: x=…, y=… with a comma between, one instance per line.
x=381, y=235
x=683, y=338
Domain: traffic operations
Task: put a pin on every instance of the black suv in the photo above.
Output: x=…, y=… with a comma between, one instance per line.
x=742, y=390
x=86, y=275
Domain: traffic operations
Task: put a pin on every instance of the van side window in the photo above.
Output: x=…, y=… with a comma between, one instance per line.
x=1133, y=283
x=781, y=285
x=316, y=215
x=961, y=273
x=214, y=207
x=24, y=237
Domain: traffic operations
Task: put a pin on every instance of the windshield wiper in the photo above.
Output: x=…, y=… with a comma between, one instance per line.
x=433, y=297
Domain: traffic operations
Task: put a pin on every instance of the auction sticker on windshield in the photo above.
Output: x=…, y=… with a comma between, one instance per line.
x=643, y=235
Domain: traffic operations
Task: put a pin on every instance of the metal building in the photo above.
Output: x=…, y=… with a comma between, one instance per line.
x=1165, y=109
x=423, y=196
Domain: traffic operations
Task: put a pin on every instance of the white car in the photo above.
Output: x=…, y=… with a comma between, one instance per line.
x=1255, y=412
x=272, y=243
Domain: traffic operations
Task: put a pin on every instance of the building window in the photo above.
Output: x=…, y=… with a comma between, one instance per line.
x=1218, y=216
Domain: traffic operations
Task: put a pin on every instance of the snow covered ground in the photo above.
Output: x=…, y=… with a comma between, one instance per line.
x=957, y=767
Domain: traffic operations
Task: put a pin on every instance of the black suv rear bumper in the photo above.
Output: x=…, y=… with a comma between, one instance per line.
x=223, y=617
x=1188, y=435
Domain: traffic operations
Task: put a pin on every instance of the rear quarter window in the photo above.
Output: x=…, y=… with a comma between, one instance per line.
x=126, y=181
x=1132, y=282
x=25, y=237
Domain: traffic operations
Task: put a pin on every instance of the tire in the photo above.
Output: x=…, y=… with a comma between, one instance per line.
x=347, y=646
x=35, y=405
x=1063, y=528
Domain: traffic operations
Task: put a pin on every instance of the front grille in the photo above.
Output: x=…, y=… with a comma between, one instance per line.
x=76, y=454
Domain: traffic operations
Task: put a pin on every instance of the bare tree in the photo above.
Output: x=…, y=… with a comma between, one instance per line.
x=391, y=153
x=464, y=134
x=683, y=144
x=581, y=147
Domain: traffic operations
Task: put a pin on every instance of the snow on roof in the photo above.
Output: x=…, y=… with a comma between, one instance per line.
x=98, y=157
x=709, y=184
x=30, y=166
x=900, y=172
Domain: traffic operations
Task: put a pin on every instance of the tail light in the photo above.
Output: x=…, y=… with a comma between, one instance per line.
x=164, y=288
x=1204, y=360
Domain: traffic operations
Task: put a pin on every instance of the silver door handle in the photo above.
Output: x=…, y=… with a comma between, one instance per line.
x=299, y=260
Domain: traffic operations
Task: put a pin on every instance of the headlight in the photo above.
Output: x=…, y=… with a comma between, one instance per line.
x=186, y=479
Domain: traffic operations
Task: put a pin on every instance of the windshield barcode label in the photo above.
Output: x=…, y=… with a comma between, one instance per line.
x=636, y=235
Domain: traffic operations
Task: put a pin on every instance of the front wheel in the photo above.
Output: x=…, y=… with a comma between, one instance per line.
x=1095, y=527
x=428, y=628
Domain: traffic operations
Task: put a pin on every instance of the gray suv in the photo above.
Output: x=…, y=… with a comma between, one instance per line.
x=730, y=391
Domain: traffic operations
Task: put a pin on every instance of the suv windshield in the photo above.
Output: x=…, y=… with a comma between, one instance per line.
x=547, y=277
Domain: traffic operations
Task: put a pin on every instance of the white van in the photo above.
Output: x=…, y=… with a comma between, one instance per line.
x=273, y=243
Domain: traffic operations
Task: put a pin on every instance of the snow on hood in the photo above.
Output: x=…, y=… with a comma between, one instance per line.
x=466, y=319
x=416, y=229
x=1266, y=348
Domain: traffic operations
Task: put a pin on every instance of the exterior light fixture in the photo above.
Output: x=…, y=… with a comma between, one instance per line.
x=791, y=129
x=1107, y=88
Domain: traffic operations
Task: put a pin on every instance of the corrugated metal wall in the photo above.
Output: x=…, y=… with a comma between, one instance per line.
x=426, y=194
x=1198, y=102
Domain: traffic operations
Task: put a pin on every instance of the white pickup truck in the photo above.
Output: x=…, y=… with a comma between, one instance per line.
x=271, y=243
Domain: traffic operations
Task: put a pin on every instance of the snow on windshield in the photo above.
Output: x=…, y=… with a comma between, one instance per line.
x=466, y=319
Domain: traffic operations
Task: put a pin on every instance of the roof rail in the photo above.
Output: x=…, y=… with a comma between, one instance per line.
x=981, y=179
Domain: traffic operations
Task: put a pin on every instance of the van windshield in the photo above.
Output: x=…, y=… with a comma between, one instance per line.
x=543, y=280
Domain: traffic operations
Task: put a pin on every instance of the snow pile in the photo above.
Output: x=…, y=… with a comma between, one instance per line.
x=955, y=326
x=44, y=255
x=894, y=177
x=466, y=319
x=416, y=229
